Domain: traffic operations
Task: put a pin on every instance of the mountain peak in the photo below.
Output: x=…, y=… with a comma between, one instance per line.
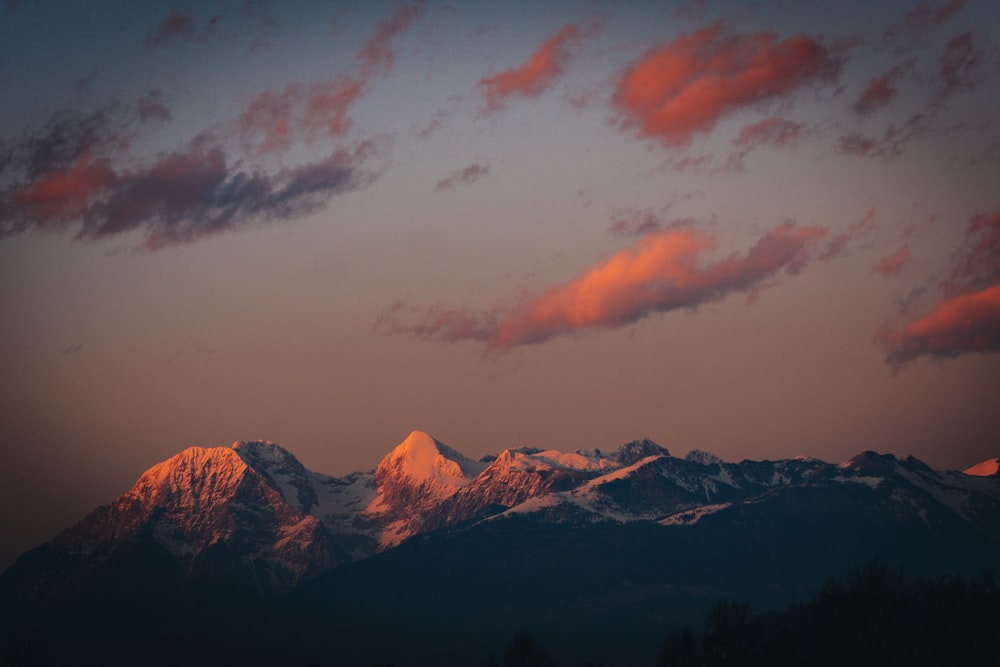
x=637, y=450
x=422, y=458
x=986, y=468
x=196, y=471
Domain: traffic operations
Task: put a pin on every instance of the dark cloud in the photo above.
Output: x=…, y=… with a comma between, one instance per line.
x=958, y=62
x=465, y=176
x=153, y=106
x=179, y=198
x=639, y=223
x=923, y=18
x=773, y=131
x=175, y=24
x=889, y=145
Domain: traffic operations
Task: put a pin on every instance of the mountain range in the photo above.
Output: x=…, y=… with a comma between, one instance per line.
x=246, y=541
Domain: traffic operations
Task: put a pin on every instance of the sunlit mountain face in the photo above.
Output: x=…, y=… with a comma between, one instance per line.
x=627, y=541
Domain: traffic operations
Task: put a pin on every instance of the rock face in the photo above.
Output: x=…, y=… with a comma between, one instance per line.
x=203, y=520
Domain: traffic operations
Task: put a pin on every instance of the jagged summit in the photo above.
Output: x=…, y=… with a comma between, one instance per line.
x=987, y=468
x=195, y=477
x=702, y=457
x=636, y=450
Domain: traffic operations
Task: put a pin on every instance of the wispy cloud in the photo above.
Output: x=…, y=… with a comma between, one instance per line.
x=537, y=73
x=891, y=265
x=684, y=88
x=924, y=17
x=464, y=176
x=967, y=317
x=958, y=62
x=173, y=25
x=880, y=91
x=664, y=271
x=638, y=223
x=276, y=118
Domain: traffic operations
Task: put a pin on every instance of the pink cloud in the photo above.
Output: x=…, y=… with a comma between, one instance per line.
x=65, y=193
x=376, y=55
x=662, y=272
x=537, y=73
x=880, y=91
x=892, y=264
x=967, y=317
x=465, y=176
x=686, y=87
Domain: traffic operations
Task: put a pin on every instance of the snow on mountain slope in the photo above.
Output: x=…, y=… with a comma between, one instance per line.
x=412, y=481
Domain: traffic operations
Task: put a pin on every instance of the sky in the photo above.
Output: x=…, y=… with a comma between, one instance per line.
x=757, y=229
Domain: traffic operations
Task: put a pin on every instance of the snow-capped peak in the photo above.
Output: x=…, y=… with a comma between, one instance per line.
x=423, y=459
x=985, y=468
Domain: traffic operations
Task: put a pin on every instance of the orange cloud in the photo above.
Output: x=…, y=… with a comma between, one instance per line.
x=959, y=325
x=536, y=74
x=660, y=273
x=686, y=87
x=967, y=319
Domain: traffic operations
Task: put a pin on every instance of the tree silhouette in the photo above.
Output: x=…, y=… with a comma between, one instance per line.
x=524, y=651
x=680, y=649
x=728, y=638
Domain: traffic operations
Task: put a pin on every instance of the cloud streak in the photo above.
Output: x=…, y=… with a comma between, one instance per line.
x=686, y=87
x=464, y=176
x=967, y=317
x=662, y=272
x=536, y=74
